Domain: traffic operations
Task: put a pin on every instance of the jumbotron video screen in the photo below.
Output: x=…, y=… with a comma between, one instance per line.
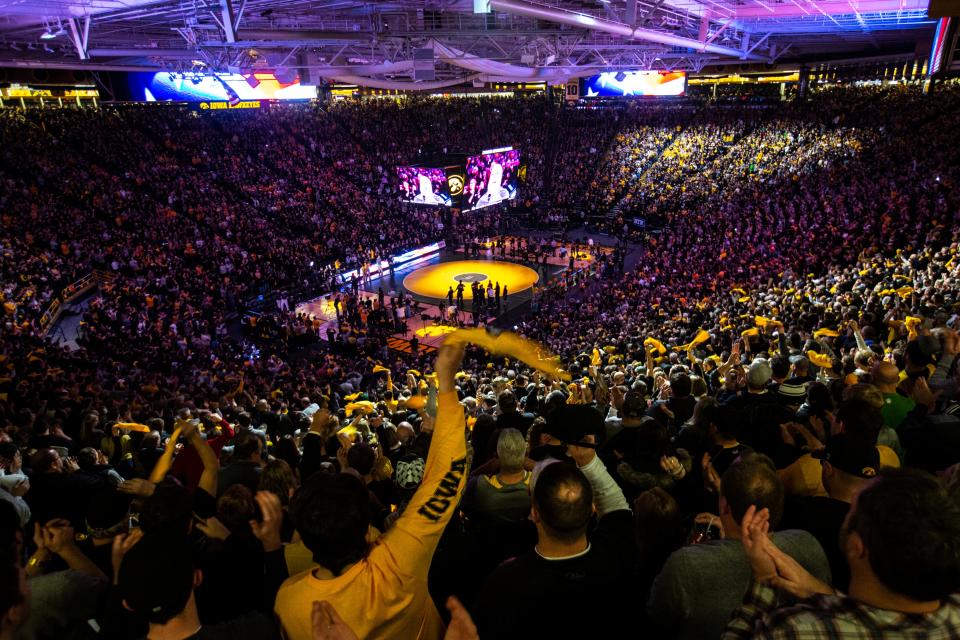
x=491, y=178
x=424, y=186
x=629, y=84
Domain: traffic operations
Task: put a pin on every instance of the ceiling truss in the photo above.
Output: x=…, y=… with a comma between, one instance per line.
x=554, y=36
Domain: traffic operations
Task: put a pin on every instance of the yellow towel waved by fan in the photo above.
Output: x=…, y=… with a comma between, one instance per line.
x=348, y=435
x=753, y=331
x=133, y=426
x=656, y=344
x=381, y=369
x=820, y=360
x=912, y=323
x=416, y=402
x=702, y=336
x=511, y=344
x=762, y=322
x=825, y=332
x=363, y=406
x=353, y=396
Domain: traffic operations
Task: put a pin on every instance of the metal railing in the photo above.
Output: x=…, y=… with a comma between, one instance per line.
x=70, y=293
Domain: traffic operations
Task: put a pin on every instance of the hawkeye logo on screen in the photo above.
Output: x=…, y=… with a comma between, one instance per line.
x=455, y=182
x=212, y=106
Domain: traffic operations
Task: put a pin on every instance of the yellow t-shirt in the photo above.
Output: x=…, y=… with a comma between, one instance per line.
x=385, y=594
x=888, y=457
x=803, y=477
x=298, y=558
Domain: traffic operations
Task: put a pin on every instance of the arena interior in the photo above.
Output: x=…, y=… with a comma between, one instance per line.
x=424, y=319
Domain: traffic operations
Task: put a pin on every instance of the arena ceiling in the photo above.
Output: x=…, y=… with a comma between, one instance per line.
x=376, y=42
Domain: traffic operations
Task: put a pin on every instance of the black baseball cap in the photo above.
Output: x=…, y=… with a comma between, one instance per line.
x=634, y=405
x=852, y=454
x=156, y=576
x=571, y=423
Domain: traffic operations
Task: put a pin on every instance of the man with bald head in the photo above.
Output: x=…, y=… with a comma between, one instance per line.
x=570, y=582
x=896, y=406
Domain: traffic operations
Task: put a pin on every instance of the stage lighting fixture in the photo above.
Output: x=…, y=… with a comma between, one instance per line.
x=252, y=81
x=286, y=75
x=621, y=76
x=49, y=33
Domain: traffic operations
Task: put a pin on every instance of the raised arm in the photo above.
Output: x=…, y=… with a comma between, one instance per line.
x=57, y=538
x=166, y=459
x=607, y=494
x=412, y=540
x=211, y=465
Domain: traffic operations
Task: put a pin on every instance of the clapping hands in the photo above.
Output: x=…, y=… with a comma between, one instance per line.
x=771, y=565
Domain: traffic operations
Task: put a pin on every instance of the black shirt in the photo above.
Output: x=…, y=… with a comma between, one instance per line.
x=682, y=409
x=823, y=517
x=515, y=420
x=245, y=472
x=722, y=457
x=760, y=416
x=253, y=626
x=533, y=597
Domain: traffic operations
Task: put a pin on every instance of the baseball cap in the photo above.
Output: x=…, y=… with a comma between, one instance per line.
x=759, y=374
x=634, y=405
x=571, y=423
x=852, y=454
x=409, y=472
x=922, y=351
x=791, y=392
x=156, y=576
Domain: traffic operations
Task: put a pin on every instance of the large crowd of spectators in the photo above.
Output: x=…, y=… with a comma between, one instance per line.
x=759, y=437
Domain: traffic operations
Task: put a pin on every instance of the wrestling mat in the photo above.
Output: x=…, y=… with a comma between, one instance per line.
x=434, y=281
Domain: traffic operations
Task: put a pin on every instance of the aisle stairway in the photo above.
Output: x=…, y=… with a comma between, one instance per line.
x=614, y=212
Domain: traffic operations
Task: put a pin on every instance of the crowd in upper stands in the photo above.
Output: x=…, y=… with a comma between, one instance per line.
x=758, y=437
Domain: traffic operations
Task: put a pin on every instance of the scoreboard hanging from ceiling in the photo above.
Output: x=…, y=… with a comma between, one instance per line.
x=473, y=182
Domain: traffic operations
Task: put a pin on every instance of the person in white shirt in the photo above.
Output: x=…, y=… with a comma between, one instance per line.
x=13, y=483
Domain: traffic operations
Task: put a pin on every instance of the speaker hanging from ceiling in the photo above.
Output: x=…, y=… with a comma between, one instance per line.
x=423, y=65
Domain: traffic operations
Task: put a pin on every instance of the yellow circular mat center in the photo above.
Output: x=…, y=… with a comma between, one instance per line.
x=435, y=281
